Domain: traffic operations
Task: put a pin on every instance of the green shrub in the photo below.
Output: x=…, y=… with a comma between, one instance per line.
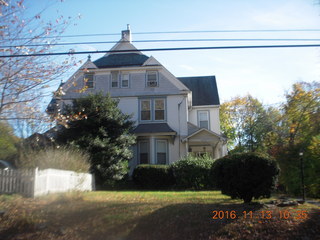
x=245, y=175
x=193, y=172
x=153, y=176
x=63, y=158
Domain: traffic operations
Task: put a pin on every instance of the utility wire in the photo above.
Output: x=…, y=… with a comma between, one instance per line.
x=166, y=40
x=180, y=32
x=162, y=49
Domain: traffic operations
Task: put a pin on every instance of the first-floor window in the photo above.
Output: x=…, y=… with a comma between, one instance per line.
x=203, y=119
x=143, y=152
x=162, y=151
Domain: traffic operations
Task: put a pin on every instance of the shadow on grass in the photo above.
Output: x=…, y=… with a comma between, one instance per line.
x=186, y=221
x=128, y=221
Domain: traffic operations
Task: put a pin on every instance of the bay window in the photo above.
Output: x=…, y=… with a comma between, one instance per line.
x=145, y=110
x=161, y=151
x=143, y=152
x=153, y=109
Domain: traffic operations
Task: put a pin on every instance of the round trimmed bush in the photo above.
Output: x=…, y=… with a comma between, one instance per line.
x=193, y=172
x=153, y=176
x=245, y=175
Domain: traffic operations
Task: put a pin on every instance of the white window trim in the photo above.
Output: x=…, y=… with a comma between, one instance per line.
x=121, y=80
x=140, y=112
x=111, y=77
x=152, y=109
x=208, y=117
x=156, y=150
x=93, y=80
x=157, y=79
x=139, y=151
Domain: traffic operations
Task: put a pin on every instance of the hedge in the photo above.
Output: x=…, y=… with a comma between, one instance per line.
x=193, y=172
x=153, y=176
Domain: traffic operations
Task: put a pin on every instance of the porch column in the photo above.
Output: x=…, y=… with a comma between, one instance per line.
x=152, y=150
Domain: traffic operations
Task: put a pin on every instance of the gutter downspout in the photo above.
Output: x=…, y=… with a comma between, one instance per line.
x=179, y=105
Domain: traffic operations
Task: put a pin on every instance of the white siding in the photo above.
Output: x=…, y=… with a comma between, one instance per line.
x=130, y=105
x=176, y=114
x=213, y=117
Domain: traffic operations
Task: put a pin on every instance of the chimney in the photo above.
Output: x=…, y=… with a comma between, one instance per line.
x=126, y=34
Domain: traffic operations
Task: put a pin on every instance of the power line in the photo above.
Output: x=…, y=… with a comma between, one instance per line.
x=166, y=40
x=162, y=49
x=179, y=32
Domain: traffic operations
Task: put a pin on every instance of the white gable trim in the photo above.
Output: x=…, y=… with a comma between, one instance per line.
x=201, y=130
x=122, y=46
x=174, y=80
x=151, y=61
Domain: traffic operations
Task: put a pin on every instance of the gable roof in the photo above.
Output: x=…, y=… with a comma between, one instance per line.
x=204, y=90
x=194, y=130
x=121, y=60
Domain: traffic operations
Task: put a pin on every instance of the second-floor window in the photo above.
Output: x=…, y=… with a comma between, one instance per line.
x=145, y=110
x=159, y=109
x=203, y=119
x=152, y=79
x=89, y=80
x=114, y=79
x=153, y=109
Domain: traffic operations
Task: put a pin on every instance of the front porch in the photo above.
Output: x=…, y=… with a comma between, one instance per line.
x=202, y=141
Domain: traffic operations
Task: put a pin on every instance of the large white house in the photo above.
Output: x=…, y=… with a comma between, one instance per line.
x=173, y=116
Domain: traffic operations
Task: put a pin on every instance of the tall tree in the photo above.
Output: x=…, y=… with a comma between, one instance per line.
x=302, y=112
x=23, y=80
x=301, y=125
x=246, y=123
x=99, y=127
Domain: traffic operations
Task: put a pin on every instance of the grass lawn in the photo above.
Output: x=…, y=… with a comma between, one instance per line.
x=153, y=215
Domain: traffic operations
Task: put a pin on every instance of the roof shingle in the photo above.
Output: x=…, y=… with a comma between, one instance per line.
x=121, y=60
x=204, y=90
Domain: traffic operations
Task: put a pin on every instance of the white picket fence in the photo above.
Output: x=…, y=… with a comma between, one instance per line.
x=34, y=182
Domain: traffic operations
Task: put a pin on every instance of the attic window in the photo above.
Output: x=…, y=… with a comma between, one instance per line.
x=124, y=80
x=89, y=80
x=114, y=79
x=152, y=79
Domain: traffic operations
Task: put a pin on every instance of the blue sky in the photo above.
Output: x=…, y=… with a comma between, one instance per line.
x=264, y=73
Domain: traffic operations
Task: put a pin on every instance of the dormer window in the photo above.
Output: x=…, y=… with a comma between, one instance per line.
x=114, y=79
x=89, y=80
x=152, y=79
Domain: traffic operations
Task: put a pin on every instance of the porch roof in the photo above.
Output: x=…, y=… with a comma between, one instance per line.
x=154, y=128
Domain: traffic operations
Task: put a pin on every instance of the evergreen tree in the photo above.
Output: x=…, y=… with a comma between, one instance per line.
x=100, y=128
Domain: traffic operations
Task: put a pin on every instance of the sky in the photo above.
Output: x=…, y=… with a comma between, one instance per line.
x=264, y=73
